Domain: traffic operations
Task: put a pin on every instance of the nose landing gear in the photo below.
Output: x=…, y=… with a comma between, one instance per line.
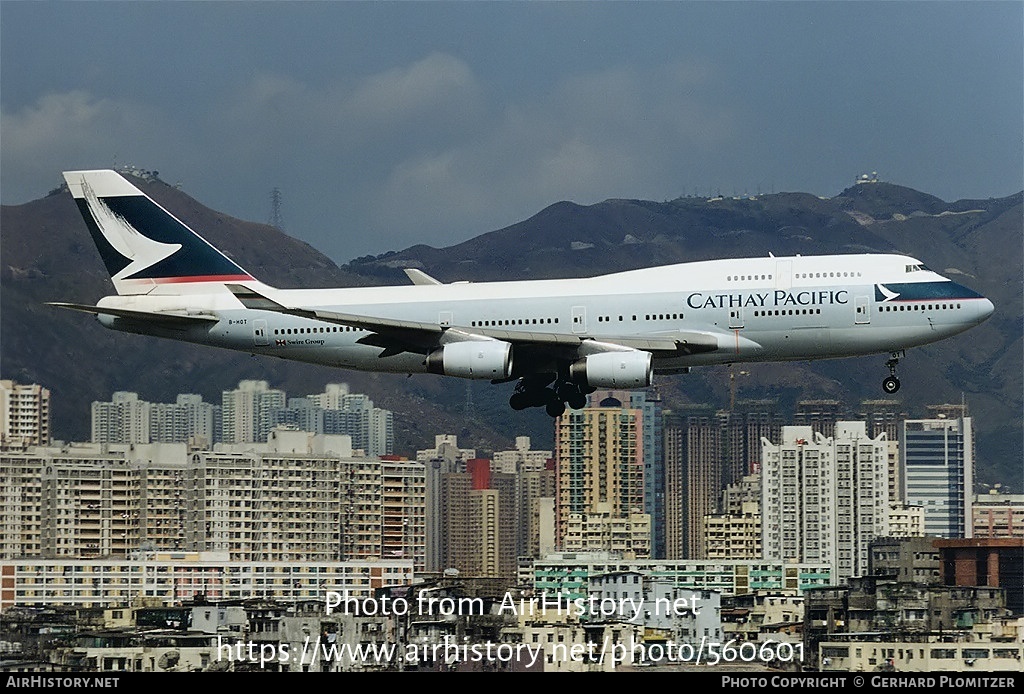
x=891, y=383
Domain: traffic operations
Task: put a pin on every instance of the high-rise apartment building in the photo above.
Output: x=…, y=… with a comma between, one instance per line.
x=649, y=403
x=599, y=463
x=938, y=464
x=21, y=498
x=693, y=477
x=797, y=486
x=744, y=425
x=824, y=499
x=187, y=420
x=92, y=500
x=337, y=411
x=24, y=415
x=706, y=451
x=304, y=498
x=522, y=458
x=296, y=498
x=125, y=419
x=534, y=481
x=445, y=457
x=886, y=416
x=247, y=411
x=354, y=414
x=820, y=415
x=371, y=428
x=90, y=507
x=404, y=515
x=479, y=512
x=862, y=495
x=301, y=414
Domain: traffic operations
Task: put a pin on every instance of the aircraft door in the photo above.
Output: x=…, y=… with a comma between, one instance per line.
x=444, y=319
x=784, y=274
x=579, y=319
x=862, y=310
x=736, y=318
x=259, y=332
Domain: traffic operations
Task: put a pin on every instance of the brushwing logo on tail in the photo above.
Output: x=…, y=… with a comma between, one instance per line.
x=143, y=252
x=143, y=246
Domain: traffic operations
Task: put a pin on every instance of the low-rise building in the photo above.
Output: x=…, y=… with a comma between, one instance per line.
x=992, y=647
x=569, y=573
x=998, y=515
x=173, y=578
x=680, y=615
x=763, y=616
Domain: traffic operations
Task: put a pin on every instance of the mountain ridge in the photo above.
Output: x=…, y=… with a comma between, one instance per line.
x=47, y=255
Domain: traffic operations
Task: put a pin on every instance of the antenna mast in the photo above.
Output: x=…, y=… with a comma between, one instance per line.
x=275, y=220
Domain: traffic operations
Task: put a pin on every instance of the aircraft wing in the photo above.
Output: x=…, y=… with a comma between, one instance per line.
x=397, y=335
x=168, y=318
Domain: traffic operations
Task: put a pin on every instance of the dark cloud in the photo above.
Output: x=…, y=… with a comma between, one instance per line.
x=390, y=124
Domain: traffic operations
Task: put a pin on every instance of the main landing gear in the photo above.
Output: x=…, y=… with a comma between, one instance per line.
x=891, y=383
x=533, y=391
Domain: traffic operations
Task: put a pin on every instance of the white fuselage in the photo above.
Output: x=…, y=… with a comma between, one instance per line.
x=759, y=309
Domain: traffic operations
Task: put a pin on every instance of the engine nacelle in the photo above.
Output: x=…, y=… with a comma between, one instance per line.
x=472, y=359
x=613, y=370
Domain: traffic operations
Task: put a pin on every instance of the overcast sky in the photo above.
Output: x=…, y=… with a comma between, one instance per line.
x=389, y=124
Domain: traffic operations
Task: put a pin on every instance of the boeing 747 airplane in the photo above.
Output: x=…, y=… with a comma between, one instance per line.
x=559, y=339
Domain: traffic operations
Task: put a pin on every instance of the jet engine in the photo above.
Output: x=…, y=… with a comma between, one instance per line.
x=472, y=359
x=630, y=369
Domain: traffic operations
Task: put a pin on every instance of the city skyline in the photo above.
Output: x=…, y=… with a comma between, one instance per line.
x=879, y=414
x=597, y=479
x=243, y=533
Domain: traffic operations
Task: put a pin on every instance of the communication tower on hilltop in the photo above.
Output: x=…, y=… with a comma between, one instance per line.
x=275, y=220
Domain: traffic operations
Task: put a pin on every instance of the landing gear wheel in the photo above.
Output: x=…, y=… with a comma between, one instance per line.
x=891, y=384
x=572, y=394
x=519, y=401
x=530, y=392
x=577, y=401
x=555, y=408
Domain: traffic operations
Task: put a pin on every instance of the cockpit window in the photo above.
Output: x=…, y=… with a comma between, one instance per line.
x=916, y=268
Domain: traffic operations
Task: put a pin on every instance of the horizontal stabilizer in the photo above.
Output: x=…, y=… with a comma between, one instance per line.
x=167, y=318
x=253, y=299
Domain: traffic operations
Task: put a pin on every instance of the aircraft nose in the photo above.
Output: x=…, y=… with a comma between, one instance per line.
x=985, y=309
